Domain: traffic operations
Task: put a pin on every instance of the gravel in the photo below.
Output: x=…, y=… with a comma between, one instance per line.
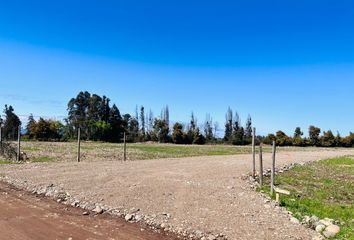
x=197, y=198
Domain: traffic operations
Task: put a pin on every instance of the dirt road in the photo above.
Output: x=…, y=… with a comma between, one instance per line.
x=200, y=193
x=26, y=217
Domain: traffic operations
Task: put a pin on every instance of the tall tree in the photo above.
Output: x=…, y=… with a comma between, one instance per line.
x=11, y=124
x=31, y=126
x=178, y=136
x=228, y=125
x=117, y=124
x=142, y=122
x=208, y=128
x=248, y=128
x=298, y=133
x=314, y=135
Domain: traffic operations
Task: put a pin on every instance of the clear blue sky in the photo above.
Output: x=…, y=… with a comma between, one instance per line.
x=287, y=63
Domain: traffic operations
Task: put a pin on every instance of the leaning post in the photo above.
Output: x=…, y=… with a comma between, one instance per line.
x=78, y=144
x=254, y=152
x=260, y=165
x=273, y=170
x=125, y=147
x=19, y=143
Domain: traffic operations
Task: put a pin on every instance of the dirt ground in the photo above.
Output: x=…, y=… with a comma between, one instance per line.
x=200, y=193
x=24, y=216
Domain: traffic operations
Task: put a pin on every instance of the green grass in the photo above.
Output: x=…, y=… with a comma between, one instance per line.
x=6, y=162
x=324, y=189
x=152, y=151
x=42, y=159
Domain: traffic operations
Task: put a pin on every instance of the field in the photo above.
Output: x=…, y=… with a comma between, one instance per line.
x=201, y=193
x=324, y=189
x=97, y=151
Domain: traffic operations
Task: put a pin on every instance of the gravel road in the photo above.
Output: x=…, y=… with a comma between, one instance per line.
x=200, y=193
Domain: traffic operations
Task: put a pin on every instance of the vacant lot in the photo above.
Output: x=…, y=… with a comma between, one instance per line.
x=94, y=151
x=200, y=193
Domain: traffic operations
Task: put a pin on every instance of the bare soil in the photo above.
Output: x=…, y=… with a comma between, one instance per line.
x=27, y=217
x=200, y=193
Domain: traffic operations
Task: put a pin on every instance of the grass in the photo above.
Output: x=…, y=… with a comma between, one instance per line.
x=98, y=151
x=5, y=162
x=42, y=159
x=324, y=189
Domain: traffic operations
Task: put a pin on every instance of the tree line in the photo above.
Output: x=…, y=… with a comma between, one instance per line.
x=101, y=121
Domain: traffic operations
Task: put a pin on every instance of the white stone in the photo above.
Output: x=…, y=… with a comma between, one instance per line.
x=331, y=231
x=320, y=228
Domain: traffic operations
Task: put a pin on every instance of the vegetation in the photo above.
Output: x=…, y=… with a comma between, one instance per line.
x=99, y=151
x=324, y=189
x=99, y=121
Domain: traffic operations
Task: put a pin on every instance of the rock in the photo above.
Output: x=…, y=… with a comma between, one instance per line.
x=327, y=222
x=129, y=217
x=314, y=219
x=85, y=213
x=98, y=210
x=320, y=228
x=138, y=218
x=331, y=231
x=294, y=220
x=307, y=221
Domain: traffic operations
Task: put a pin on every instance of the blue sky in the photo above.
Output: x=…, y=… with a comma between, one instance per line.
x=287, y=63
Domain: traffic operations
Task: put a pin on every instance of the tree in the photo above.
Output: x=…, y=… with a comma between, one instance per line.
x=142, y=122
x=178, y=136
x=198, y=138
x=314, y=135
x=238, y=134
x=282, y=139
x=117, y=125
x=31, y=126
x=11, y=124
x=328, y=139
x=248, y=128
x=269, y=139
x=161, y=130
x=298, y=133
x=208, y=128
x=228, y=125
x=45, y=130
x=191, y=129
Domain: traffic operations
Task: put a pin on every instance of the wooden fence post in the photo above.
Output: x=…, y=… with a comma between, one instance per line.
x=125, y=148
x=260, y=165
x=254, y=152
x=273, y=170
x=19, y=143
x=78, y=144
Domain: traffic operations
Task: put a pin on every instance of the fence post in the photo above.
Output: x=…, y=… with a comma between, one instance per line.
x=19, y=143
x=254, y=152
x=78, y=144
x=260, y=165
x=125, y=147
x=273, y=170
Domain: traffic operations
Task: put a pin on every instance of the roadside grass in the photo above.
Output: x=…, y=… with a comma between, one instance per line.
x=2, y=162
x=42, y=159
x=324, y=188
